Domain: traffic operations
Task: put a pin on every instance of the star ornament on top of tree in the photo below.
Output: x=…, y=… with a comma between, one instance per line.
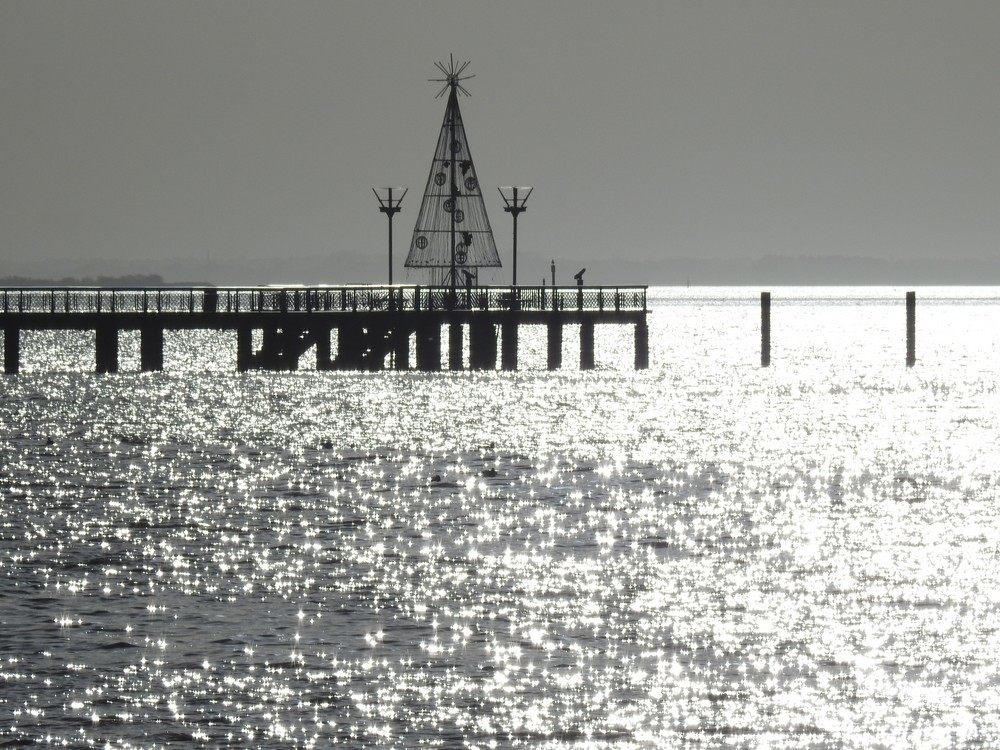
x=452, y=76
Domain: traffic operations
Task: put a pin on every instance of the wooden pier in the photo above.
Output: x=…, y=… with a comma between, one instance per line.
x=374, y=326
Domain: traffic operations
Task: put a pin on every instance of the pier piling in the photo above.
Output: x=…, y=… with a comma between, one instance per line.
x=911, y=329
x=587, y=346
x=555, y=341
x=455, y=335
x=482, y=345
x=642, y=345
x=324, y=359
x=350, y=349
x=765, y=329
x=12, y=351
x=401, y=348
x=151, y=349
x=106, y=349
x=429, y=346
x=508, y=345
x=244, y=349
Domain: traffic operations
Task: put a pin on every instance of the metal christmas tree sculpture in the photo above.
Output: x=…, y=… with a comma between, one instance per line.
x=452, y=237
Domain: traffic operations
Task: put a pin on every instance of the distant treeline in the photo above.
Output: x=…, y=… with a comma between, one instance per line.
x=140, y=281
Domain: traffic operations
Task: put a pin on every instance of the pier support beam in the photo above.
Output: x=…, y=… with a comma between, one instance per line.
x=642, y=345
x=508, y=345
x=555, y=345
x=911, y=329
x=401, y=348
x=376, y=347
x=765, y=329
x=270, y=356
x=106, y=349
x=482, y=345
x=12, y=350
x=455, y=346
x=324, y=360
x=429, y=346
x=151, y=349
x=244, y=349
x=587, y=345
x=350, y=347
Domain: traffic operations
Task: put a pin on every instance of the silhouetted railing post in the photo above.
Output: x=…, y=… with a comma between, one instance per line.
x=210, y=301
x=765, y=329
x=911, y=329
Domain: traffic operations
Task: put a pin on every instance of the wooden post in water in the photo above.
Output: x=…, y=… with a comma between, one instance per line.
x=106, y=349
x=429, y=346
x=455, y=335
x=244, y=349
x=151, y=349
x=324, y=360
x=269, y=356
x=482, y=345
x=508, y=345
x=555, y=341
x=765, y=329
x=642, y=345
x=401, y=347
x=911, y=329
x=587, y=345
x=375, y=347
x=12, y=350
x=351, y=346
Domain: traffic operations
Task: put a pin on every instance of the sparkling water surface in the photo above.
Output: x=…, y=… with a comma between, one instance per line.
x=705, y=554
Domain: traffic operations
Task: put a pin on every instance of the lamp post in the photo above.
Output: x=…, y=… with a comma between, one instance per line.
x=514, y=199
x=390, y=206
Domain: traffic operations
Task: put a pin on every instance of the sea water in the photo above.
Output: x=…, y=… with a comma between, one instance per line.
x=705, y=554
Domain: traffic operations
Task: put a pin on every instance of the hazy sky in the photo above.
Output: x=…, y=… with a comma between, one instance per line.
x=239, y=140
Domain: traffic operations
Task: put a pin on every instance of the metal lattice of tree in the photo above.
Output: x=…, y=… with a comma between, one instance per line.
x=452, y=237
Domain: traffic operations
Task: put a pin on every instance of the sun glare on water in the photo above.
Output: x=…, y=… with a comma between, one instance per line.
x=704, y=554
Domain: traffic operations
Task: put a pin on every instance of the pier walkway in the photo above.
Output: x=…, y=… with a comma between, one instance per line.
x=350, y=327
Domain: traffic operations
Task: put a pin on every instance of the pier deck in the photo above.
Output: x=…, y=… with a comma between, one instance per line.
x=373, y=326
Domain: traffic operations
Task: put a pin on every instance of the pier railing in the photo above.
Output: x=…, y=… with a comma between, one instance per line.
x=318, y=299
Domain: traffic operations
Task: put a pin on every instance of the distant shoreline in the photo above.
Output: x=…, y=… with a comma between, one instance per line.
x=610, y=269
x=766, y=271
x=776, y=270
x=136, y=281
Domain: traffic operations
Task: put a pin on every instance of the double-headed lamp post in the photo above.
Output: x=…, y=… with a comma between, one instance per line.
x=514, y=199
x=389, y=204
